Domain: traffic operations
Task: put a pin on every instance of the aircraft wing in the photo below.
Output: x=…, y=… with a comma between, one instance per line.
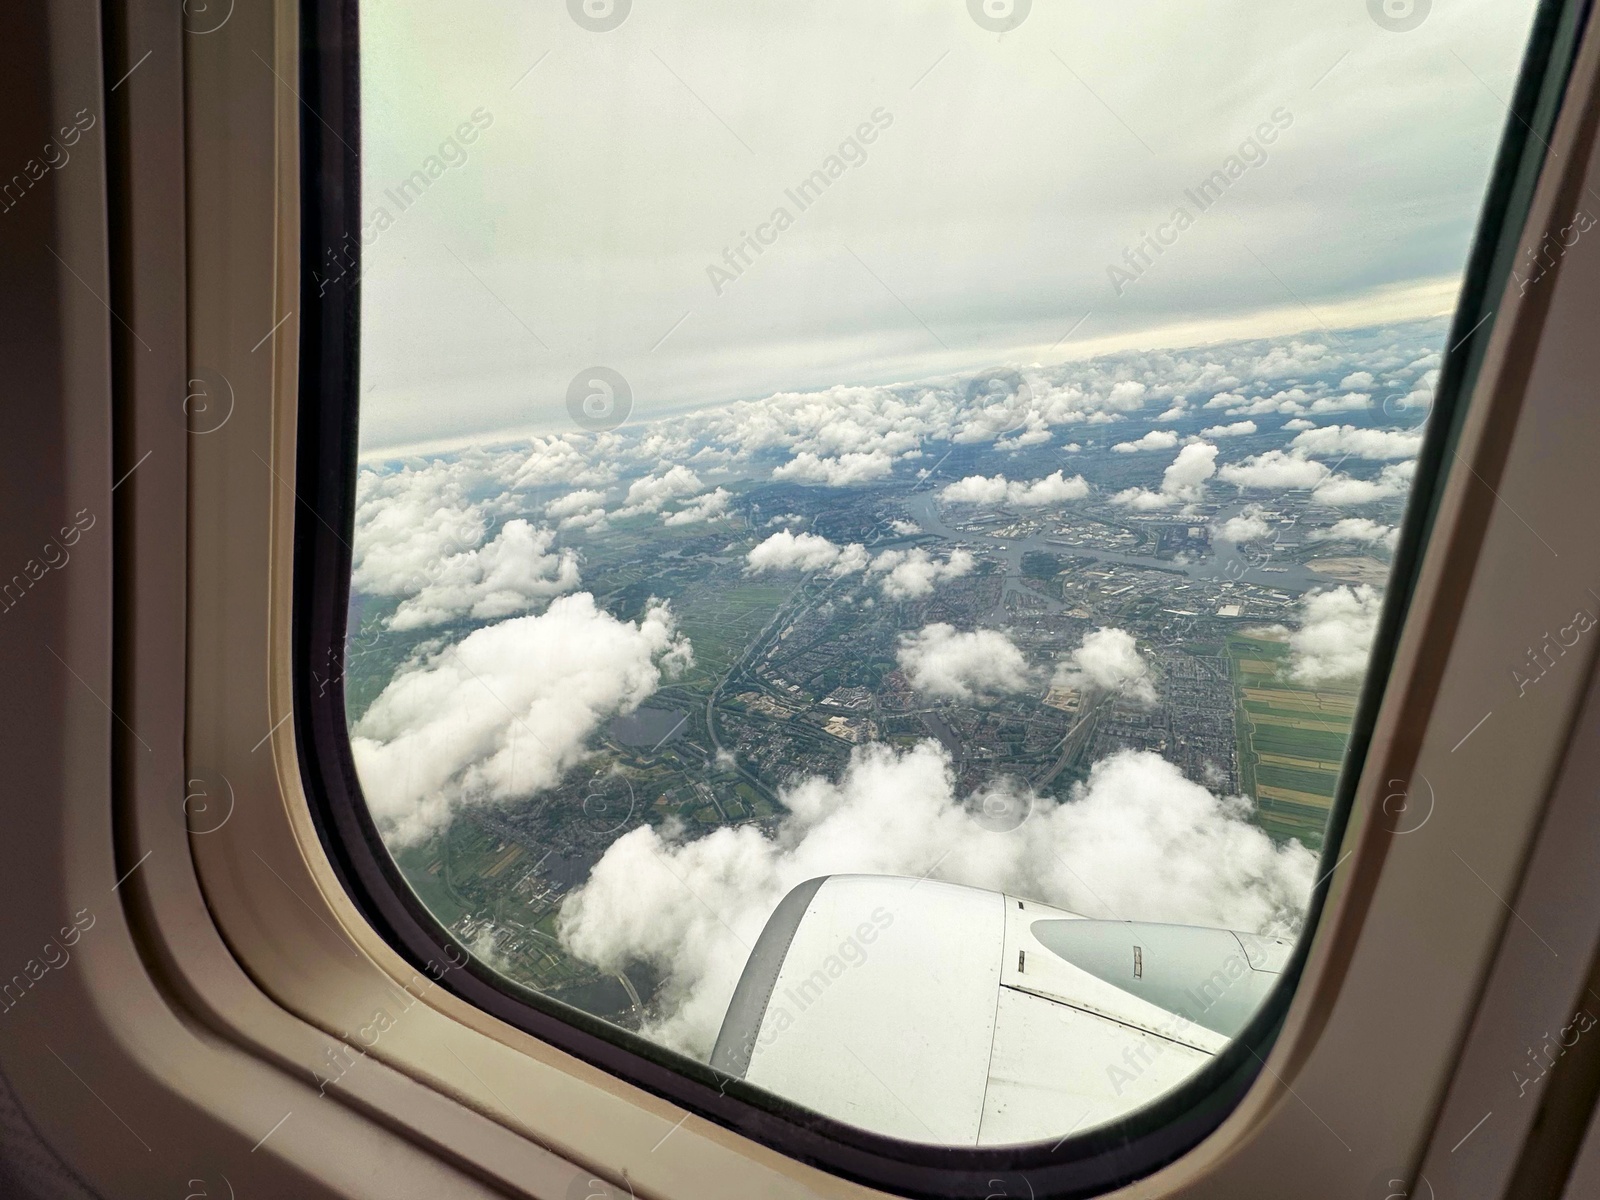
x=939, y=1013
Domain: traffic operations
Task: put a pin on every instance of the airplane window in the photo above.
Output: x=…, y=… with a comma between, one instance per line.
x=870, y=520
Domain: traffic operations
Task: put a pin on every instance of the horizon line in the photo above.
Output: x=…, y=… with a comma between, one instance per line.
x=1405, y=303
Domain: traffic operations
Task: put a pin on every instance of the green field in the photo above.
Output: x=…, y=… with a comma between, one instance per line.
x=1282, y=720
x=721, y=623
x=455, y=875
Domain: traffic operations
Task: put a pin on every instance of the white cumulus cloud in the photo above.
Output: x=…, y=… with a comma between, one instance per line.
x=785, y=551
x=1276, y=470
x=1181, y=483
x=1052, y=489
x=1108, y=658
x=909, y=574
x=509, y=575
x=1250, y=525
x=1357, y=529
x=1236, y=429
x=1126, y=395
x=654, y=492
x=1336, y=441
x=846, y=469
x=559, y=460
x=406, y=523
x=1351, y=402
x=1340, y=490
x=701, y=508
x=503, y=713
x=1335, y=635
x=574, y=503
x=963, y=666
x=1156, y=439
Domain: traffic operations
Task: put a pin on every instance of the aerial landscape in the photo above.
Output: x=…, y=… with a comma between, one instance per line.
x=613, y=691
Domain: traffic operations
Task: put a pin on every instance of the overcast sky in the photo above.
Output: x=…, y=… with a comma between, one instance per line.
x=1014, y=169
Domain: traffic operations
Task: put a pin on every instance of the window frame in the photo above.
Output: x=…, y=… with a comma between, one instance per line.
x=208, y=994
x=1088, y=1164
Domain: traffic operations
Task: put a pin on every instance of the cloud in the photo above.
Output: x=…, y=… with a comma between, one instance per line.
x=1126, y=396
x=1181, y=483
x=1279, y=469
x=1334, y=640
x=1109, y=659
x=574, y=503
x=1339, y=490
x=654, y=492
x=701, y=508
x=1293, y=402
x=1186, y=477
x=482, y=947
x=1052, y=489
x=1349, y=440
x=509, y=575
x=1136, y=842
x=406, y=523
x=1357, y=529
x=1274, y=469
x=1299, y=423
x=963, y=666
x=909, y=574
x=505, y=712
x=1249, y=526
x=1237, y=429
x=1332, y=404
x=1143, y=499
x=1034, y=435
x=785, y=551
x=590, y=518
x=1291, y=359
x=848, y=433
x=905, y=528
x=847, y=469
x=558, y=460
x=1356, y=380
x=1156, y=439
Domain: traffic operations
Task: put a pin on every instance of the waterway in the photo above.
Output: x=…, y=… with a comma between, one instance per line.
x=648, y=726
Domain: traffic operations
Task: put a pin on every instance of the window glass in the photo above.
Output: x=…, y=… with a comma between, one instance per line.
x=871, y=518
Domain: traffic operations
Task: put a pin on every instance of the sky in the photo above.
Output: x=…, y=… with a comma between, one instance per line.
x=1007, y=173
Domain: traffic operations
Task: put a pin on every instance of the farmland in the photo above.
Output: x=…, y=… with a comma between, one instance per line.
x=1292, y=738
